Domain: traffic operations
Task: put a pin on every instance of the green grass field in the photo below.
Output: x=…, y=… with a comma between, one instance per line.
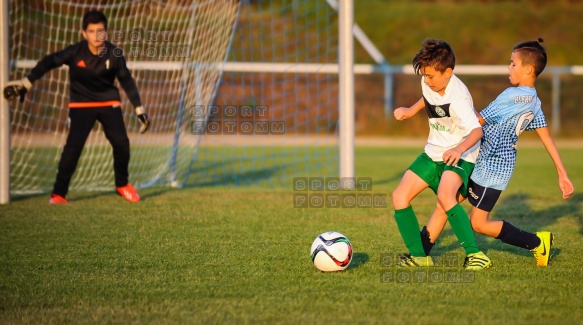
x=241, y=255
x=235, y=165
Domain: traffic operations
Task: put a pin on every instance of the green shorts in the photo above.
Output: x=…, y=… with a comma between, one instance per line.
x=430, y=171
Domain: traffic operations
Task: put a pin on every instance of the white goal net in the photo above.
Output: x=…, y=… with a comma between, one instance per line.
x=223, y=109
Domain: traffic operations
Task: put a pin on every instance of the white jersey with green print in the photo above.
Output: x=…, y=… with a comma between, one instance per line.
x=451, y=119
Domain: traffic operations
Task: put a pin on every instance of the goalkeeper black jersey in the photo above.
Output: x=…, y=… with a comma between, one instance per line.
x=91, y=76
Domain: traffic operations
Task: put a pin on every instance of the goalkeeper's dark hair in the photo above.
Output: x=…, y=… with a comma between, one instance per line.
x=94, y=17
x=532, y=53
x=434, y=53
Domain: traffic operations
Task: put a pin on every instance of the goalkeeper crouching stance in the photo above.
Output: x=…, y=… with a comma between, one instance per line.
x=94, y=64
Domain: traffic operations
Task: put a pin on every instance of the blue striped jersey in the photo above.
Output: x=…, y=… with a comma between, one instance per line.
x=516, y=109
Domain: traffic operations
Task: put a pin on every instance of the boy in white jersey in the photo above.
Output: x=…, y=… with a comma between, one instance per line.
x=516, y=109
x=449, y=156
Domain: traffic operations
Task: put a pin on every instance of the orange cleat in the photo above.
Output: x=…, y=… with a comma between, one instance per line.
x=57, y=199
x=129, y=193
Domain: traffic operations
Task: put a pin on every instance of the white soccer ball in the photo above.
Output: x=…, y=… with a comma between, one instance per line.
x=331, y=251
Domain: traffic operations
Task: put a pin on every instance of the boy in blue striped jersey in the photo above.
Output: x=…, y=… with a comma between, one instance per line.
x=516, y=109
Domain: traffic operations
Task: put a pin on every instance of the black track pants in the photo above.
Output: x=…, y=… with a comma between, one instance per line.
x=82, y=121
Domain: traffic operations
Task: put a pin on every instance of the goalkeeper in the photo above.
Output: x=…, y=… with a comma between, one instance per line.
x=93, y=66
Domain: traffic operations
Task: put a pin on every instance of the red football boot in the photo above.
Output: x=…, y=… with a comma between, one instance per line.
x=129, y=193
x=57, y=199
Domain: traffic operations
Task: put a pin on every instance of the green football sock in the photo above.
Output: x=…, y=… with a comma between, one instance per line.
x=462, y=228
x=409, y=229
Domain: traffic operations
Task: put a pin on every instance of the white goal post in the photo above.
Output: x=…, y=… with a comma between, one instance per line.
x=346, y=93
x=4, y=108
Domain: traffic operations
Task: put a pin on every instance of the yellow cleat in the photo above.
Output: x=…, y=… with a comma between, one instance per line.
x=406, y=260
x=477, y=262
x=543, y=252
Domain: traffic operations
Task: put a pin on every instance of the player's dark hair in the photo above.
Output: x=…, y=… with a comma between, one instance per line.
x=436, y=54
x=532, y=53
x=94, y=17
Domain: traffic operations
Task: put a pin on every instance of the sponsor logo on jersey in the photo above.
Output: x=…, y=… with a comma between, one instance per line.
x=473, y=194
x=439, y=111
x=436, y=111
x=81, y=64
x=523, y=121
x=523, y=99
x=437, y=126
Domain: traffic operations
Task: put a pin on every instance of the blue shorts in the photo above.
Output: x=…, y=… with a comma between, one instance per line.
x=483, y=198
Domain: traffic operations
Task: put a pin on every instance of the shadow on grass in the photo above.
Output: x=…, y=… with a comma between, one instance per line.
x=516, y=210
x=248, y=177
x=24, y=197
x=82, y=196
x=358, y=259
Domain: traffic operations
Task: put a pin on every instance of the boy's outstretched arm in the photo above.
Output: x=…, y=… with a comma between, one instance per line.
x=564, y=182
x=403, y=113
